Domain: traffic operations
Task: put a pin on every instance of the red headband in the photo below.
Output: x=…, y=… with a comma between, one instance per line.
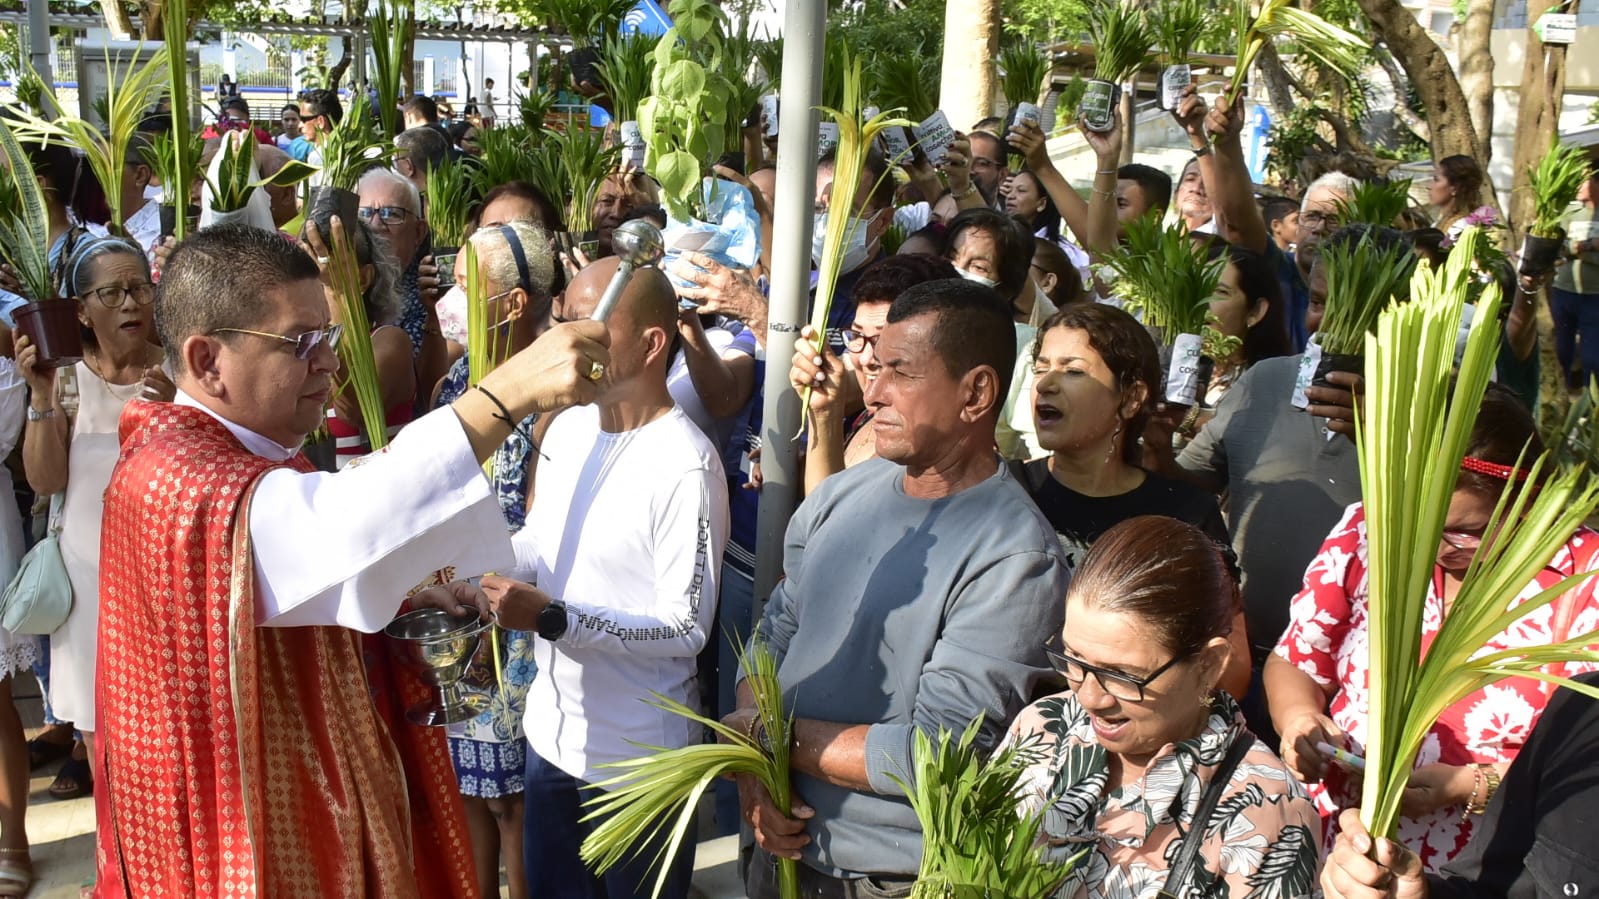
x=1492, y=469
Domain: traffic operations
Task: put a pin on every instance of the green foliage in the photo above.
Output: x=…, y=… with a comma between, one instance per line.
x=974, y=842
x=569, y=170
x=1363, y=279
x=745, y=81
x=1178, y=25
x=185, y=155
x=626, y=64
x=24, y=220
x=1122, y=38
x=1555, y=184
x=1332, y=46
x=1376, y=203
x=907, y=82
x=1166, y=276
x=450, y=199
x=391, y=27
x=1022, y=70
x=878, y=28
x=1046, y=21
x=769, y=53
x=684, y=120
x=588, y=22
x=169, y=165
x=353, y=146
x=505, y=157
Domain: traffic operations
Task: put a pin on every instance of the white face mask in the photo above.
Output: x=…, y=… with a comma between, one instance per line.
x=855, y=249
x=975, y=277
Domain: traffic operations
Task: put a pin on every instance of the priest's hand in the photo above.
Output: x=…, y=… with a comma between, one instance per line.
x=564, y=367
x=1358, y=869
x=457, y=598
x=517, y=604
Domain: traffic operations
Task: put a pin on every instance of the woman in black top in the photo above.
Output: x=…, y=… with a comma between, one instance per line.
x=1096, y=374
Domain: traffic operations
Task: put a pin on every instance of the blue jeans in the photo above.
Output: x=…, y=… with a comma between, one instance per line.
x=733, y=612
x=553, y=830
x=1576, y=318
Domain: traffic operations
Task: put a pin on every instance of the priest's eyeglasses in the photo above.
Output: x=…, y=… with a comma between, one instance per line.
x=1123, y=686
x=304, y=344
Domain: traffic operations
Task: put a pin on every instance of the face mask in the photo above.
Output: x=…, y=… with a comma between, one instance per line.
x=975, y=277
x=855, y=252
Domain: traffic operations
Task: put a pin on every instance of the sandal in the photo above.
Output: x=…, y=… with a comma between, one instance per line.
x=42, y=752
x=16, y=872
x=73, y=781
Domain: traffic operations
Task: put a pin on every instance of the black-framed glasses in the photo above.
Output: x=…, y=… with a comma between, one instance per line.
x=388, y=215
x=114, y=296
x=856, y=342
x=1123, y=686
x=304, y=344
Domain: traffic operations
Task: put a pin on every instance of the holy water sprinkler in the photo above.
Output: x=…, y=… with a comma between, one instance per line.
x=636, y=243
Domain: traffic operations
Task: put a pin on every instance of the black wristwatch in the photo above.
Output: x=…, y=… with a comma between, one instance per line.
x=552, y=621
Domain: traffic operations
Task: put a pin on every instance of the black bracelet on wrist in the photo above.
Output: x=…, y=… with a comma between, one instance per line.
x=504, y=415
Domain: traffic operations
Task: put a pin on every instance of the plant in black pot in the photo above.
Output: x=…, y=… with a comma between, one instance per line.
x=1178, y=26
x=1168, y=279
x=449, y=208
x=348, y=151
x=173, y=167
x=588, y=23
x=626, y=65
x=1122, y=39
x=1365, y=274
x=569, y=169
x=1555, y=183
x=49, y=321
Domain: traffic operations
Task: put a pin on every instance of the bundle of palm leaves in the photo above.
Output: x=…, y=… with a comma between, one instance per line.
x=353, y=147
x=974, y=843
x=1334, y=47
x=355, y=346
x=908, y=82
x=1022, y=68
x=391, y=28
x=184, y=150
x=1178, y=26
x=1375, y=203
x=626, y=64
x=1419, y=416
x=1364, y=277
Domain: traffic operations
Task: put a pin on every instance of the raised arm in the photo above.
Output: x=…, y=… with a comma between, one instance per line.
x=1226, y=174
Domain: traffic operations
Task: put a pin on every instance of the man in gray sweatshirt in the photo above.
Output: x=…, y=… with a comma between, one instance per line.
x=920, y=589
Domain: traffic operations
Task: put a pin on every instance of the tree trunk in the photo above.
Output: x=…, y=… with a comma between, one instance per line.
x=1474, y=49
x=971, y=41
x=407, y=69
x=116, y=20
x=1448, y=114
x=1543, y=90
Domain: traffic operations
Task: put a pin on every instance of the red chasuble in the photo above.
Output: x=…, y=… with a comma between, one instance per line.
x=238, y=760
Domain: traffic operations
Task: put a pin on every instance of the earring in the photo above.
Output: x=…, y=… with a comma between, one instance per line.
x=1208, y=700
x=1111, y=451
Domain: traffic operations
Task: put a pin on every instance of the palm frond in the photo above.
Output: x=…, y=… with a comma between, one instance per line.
x=390, y=28
x=1335, y=47
x=1166, y=276
x=625, y=67
x=1023, y=69
x=1363, y=278
x=353, y=146
x=1375, y=203
x=1122, y=39
x=355, y=347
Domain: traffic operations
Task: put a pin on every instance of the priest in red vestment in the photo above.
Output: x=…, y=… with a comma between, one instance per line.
x=241, y=753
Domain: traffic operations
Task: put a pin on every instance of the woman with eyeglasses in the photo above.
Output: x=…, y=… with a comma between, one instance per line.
x=391, y=346
x=840, y=426
x=1316, y=681
x=1144, y=737
x=70, y=446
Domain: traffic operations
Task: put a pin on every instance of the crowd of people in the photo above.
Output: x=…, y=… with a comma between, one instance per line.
x=1003, y=520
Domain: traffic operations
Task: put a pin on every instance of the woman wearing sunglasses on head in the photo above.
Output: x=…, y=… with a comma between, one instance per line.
x=1143, y=761
x=1316, y=681
x=70, y=446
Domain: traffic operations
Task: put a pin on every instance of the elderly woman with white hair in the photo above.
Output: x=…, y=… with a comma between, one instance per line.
x=517, y=272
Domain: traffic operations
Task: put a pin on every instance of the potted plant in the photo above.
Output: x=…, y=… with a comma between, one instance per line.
x=1168, y=279
x=1121, y=42
x=746, y=82
x=348, y=151
x=1363, y=279
x=130, y=91
x=625, y=69
x=173, y=167
x=1375, y=203
x=1413, y=436
x=975, y=842
x=449, y=207
x=588, y=23
x=1328, y=44
x=1555, y=183
x=49, y=321
x=391, y=32
x=1022, y=69
x=570, y=169
x=507, y=156
x=1178, y=25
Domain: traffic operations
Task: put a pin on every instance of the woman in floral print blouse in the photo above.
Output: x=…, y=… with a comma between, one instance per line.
x=1129, y=750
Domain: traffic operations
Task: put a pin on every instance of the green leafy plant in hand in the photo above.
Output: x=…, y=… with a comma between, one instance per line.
x=353, y=146
x=24, y=220
x=683, y=121
x=974, y=842
x=161, y=153
x=1334, y=47
x=745, y=79
x=1168, y=277
x=908, y=82
x=1418, y=417
x=1178, y=26
x=130, y=90
x=1122, y=38
x=585, y=162
x=184, y=165
x=625, y=67
x=1023, y=69
x=658, y=795
x=1363, y=279
x=391, y=29
x=356, y=359
x=769, y=53
x=449, y=207
x=1375, y=203
x=506, y=157
x=532, y=108
x=1555, y=184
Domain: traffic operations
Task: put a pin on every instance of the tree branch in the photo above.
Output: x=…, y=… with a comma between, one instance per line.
x=1402, y=111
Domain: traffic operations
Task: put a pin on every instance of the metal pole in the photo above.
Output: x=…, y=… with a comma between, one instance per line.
x=804, y=28
x=39, y=46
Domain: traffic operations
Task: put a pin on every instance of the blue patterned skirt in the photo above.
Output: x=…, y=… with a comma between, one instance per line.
x=489, y=770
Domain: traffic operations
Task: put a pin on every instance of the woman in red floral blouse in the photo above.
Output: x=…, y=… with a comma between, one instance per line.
x=1316, y=683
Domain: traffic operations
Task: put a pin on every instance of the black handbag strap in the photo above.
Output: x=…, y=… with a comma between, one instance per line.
x=1188, y=855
